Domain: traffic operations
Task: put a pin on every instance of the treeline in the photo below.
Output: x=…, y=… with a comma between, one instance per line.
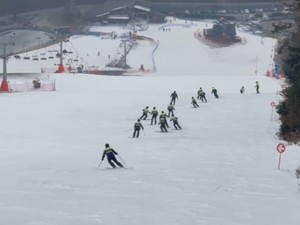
x=8, y=7
x=289, y=108
x=20, y=6
x=210, y=1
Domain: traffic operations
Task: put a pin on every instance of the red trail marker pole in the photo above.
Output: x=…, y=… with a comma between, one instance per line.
x=280, y=149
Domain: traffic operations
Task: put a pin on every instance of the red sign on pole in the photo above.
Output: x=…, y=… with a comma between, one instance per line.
x=280, y=149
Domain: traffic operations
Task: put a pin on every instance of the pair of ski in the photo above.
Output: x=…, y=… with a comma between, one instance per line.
x=168, y=130
x=117, y=168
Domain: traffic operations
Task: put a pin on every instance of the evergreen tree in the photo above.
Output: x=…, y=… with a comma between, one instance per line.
x=289, y=107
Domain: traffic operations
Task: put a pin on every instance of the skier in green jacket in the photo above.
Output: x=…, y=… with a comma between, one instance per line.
x=137, y=127
x=175, y=122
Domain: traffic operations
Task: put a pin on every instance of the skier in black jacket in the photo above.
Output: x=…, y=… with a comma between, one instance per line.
x=171, y=110
x=215, y=92
x=194, y=103
x=257, y=87
x=242, y=90
x=173, y=96
x=110, y=154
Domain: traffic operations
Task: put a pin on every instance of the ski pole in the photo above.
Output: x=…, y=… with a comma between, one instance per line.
x=144, y=132
x=121, y=159
x=99, y=164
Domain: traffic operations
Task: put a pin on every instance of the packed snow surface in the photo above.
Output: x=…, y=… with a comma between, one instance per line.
x=221, y=168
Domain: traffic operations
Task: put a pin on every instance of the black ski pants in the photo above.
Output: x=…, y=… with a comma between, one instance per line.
x=176, y=125
x=163, y=127
x=144, y=116
x=136, y=132
x=153, y=119
x=173, y=100
x=171, y=112
x=112, y=159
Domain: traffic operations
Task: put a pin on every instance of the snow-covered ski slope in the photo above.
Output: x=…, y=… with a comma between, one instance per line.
x=221, y=168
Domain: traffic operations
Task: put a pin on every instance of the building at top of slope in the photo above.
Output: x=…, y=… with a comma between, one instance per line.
x=222, y=32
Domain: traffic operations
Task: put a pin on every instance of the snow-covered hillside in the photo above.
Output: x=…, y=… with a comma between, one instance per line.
x=221, y=168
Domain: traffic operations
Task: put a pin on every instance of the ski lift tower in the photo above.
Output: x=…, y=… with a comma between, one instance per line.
x=61, y=34
x=4, y=84
x=61, y=68
x=124, y=58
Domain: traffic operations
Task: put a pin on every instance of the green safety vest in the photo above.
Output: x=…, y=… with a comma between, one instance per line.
x=108, y=150
x=154, y=112
x=137, y=124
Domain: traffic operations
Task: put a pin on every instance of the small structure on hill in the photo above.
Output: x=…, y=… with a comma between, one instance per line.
x=222, y=32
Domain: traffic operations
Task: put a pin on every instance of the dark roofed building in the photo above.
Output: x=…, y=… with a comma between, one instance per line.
x=224, y=32
x=128, y=13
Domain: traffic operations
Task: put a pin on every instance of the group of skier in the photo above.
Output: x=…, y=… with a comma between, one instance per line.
x=242, y=90
x=163, y=122
x=201, y=96
x=110, y=152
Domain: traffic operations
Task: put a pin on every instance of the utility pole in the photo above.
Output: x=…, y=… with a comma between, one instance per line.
x=125, y=52
x=256, y=61
x=4, y=84
x=39, y=39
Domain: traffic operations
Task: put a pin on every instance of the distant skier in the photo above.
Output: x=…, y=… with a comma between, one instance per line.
x=175, y=122
x=257, y=87
x=242, y=90
x=110, y=154
x=163, y=124
x=142, y=67
x=145, y=113
x=201, y=95
x=194, y=103
x=215, y=92
x=171, y=110
x=36, y=83
x=154, y=114
x=137, y=127
x=173, y=96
